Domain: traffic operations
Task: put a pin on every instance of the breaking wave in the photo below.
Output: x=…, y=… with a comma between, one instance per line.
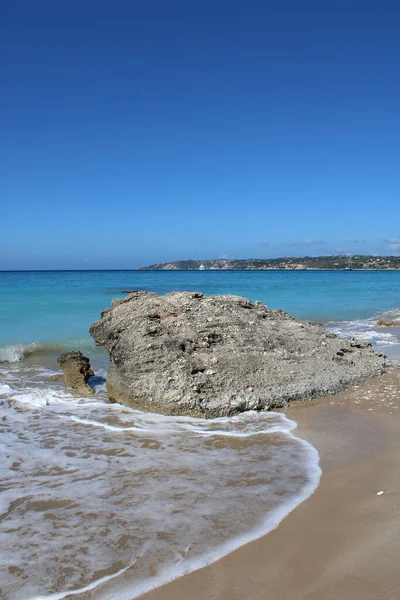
x=368, y=330
x=12, y=353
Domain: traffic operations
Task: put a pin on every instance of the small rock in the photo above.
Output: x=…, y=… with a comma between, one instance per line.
x=77, y=371
x=388, y=323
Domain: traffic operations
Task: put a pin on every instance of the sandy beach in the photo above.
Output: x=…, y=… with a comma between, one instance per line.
x=344, y=541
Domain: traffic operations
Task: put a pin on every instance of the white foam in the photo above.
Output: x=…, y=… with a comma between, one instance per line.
x=11, y=354
x=113, y=428
x=37, y=387
x=87, y=588
x=150, y=497
x=224, y=426
x=131, y=589
x=266, y=525
x=367, y=329
x=393, y=314
x=40, y=397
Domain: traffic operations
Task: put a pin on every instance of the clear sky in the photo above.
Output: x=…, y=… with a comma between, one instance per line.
x=135, y=132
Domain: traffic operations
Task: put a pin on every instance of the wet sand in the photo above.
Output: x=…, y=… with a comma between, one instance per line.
x=344, y=541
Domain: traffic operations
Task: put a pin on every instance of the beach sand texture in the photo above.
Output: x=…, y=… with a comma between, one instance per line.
x=344, y=541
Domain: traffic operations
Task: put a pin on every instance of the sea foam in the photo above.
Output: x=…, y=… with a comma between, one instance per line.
x=131, y=500
x=12, y=353
x=368, y=330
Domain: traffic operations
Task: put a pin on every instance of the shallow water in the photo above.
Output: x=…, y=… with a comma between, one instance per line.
x=90, y=489
x=104, y=502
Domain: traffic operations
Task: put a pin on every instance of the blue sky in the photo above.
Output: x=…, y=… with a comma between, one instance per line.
x=139, y=132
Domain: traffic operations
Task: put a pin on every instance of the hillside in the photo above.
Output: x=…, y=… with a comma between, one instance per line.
x=338, y=262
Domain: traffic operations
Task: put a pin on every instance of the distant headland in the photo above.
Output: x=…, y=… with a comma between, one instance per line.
x=337, y=263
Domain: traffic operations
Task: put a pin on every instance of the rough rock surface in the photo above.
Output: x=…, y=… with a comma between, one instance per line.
x=388, y=323
x=185, y=353
x=77, y=371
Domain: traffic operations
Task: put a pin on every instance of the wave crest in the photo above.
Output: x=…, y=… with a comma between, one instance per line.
x=368, y=329
x=12, y=353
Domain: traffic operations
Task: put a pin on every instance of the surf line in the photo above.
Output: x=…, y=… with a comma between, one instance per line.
x=87, y=588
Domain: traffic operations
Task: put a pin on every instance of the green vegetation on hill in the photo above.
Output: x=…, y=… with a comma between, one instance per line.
x=338, y=262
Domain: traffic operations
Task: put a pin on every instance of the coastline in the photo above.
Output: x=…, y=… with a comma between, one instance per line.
x=288, y=559
x=284, y=269
x=343, y=540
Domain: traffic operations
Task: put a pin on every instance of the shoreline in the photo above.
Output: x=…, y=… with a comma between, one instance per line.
x=348, y=430
x=318, y=543
x=263, y=269
x=343, y=540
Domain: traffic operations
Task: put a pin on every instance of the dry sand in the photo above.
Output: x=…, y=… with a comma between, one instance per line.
x=344, y=541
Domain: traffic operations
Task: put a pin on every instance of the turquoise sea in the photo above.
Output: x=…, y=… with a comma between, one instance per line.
x=59, y=306
x=105, y=502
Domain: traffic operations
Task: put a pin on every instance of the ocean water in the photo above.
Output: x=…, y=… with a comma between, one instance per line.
x=59, y=306
x=102, y=502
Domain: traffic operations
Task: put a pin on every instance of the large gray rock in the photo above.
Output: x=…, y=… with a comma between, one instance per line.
x=185, y=353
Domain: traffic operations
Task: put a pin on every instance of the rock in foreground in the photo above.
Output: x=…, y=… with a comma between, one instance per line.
x=185, y=353
x=77, y=371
